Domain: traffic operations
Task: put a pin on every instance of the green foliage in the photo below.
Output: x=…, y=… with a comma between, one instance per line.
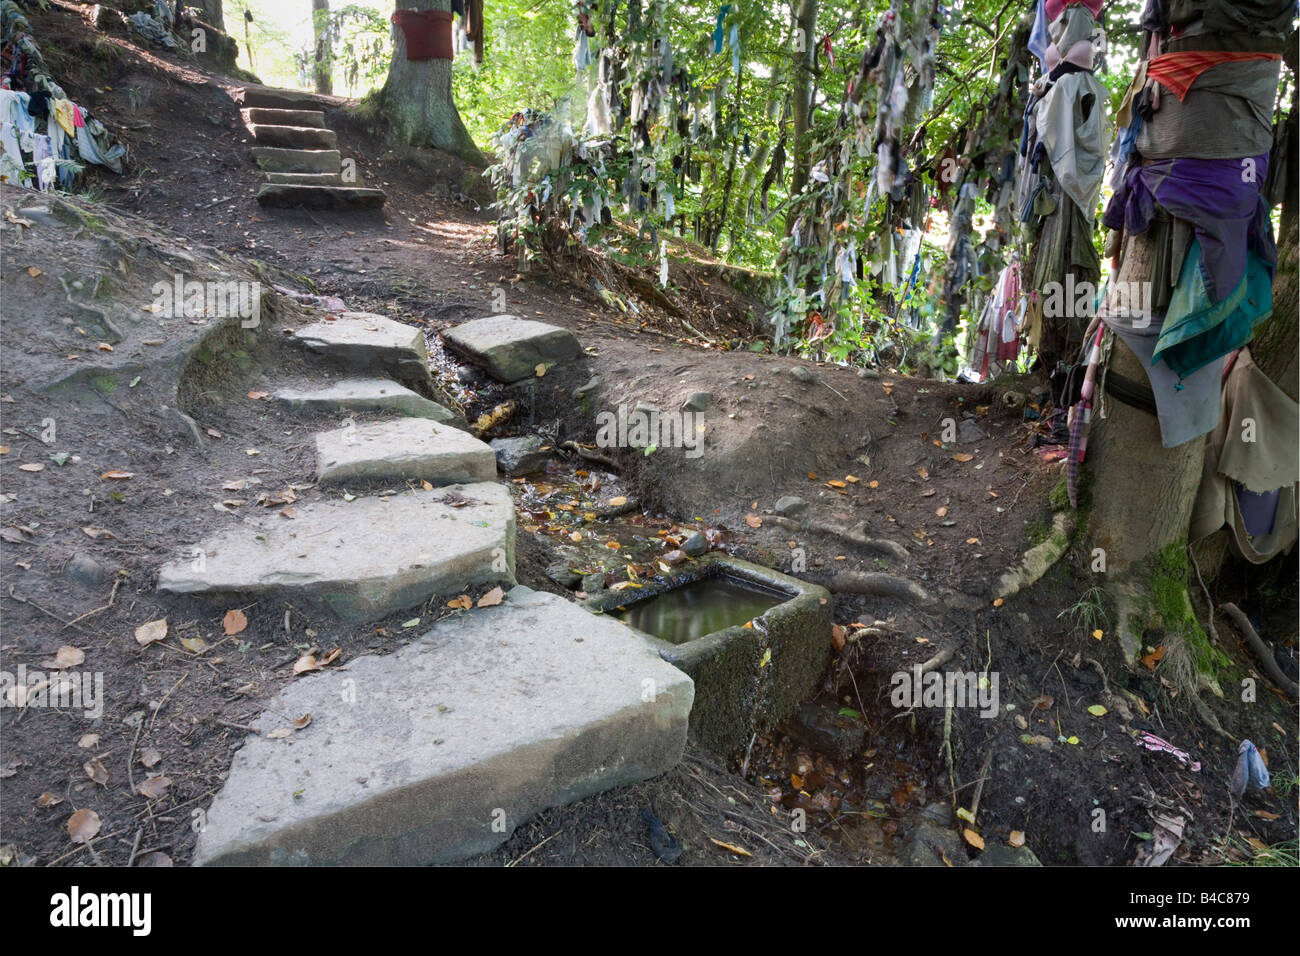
x=1088, y=613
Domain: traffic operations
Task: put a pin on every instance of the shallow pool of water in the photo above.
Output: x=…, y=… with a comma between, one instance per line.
x=700, y=608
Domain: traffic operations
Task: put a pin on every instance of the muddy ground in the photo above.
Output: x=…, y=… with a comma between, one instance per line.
x=81, y=551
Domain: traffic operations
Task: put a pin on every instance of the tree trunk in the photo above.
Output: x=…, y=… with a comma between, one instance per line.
x=212, y=14
x=324, y=55
x=416, y=98
x=1142, y=492
x=805, y=29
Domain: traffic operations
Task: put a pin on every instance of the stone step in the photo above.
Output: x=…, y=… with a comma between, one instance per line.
x=276, y=160
x=270, y=97
x=362, y=559
x=441, y=749
x=261, y=116
x=294, y=137
x=365, y=395
x=285, y=196
x=408, y=448
x=511, y=348
x=308, y=179
x=370, y=341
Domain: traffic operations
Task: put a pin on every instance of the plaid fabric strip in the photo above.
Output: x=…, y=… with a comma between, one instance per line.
x=1178, y=71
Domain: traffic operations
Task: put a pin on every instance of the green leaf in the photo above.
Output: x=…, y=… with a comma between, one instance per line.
x=849, y=712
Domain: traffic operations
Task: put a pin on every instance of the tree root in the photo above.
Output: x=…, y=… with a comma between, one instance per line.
x=599, y=459
x=1256, y=644
x=879, y=585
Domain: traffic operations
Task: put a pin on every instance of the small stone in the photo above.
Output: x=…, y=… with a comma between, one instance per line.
x=868, y=373
x=802, y=374
x=593, y=383
x=698, y=402
x=674, y=557
x=520, y=456
x=564, y=576
x=790, y=505
x=696, y=545
x=84, y=569
x=939, y=813
x=593, y=583
x=968, y=432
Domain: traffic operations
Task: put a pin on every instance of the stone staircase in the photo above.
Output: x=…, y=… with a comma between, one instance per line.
x=298, y=155
x=442, y=748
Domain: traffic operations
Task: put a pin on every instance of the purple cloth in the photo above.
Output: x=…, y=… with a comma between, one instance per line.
x=1258, y=509
x=1221, y=198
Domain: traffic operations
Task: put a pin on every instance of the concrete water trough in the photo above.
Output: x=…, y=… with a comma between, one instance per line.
x=740, y=688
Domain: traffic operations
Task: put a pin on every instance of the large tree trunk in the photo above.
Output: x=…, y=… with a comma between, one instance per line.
x=416, y=97
x=324, y=54
x=212, y=14
x=805, y=24
x=1142, y=492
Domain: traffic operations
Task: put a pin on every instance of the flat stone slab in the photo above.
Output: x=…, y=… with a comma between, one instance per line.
x=276, y=160
x=341, y=198
x=365, y=395
x=294, y=137
x=441, y=749
x=261, y=116
x=406, y=448
x=511, y=348
x=306, y=179
x=272, y=97
x=362, y=559
x=363, y=338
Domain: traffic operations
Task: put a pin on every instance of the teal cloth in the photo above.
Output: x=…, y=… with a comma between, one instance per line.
x=1196, y=330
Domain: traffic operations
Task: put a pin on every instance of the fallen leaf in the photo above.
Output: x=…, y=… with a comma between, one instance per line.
x=302, y=722
x=88, y=740
x=492, y=598
x=32, y=466
x=305, y=663
x=48, y=800
x=1044, y=702
x=998, y=602
x=1098, y=634
x=279, y=733
x=738, y=850
x=83, y=826
x=941, y=511
x=91, y=532
x=195, y=645
x=1097, y=710
x=150, y=758
x=1265, y=814
x=154, y=788
x=96, y=771
x=104, y=347
x=540, y=369
x=962, y=456
x=754, y=521
x=65, y=657
x=426, y=485
x=836, y=483
x=234, y=622
x=156, y=858
x=1152, y=659
x=33, y=271
x=259, y=395
x=618, y=501
x=464, y=602
x=152, y=631
x=973, y=838
x=1017, y=838
x=116, y=475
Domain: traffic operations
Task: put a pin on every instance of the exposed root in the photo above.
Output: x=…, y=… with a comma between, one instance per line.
x=1257, y=645
x=878, y=584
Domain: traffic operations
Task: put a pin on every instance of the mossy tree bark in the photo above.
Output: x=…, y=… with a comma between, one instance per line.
x=323, y=56
x=416, y=98
x=804, y=47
